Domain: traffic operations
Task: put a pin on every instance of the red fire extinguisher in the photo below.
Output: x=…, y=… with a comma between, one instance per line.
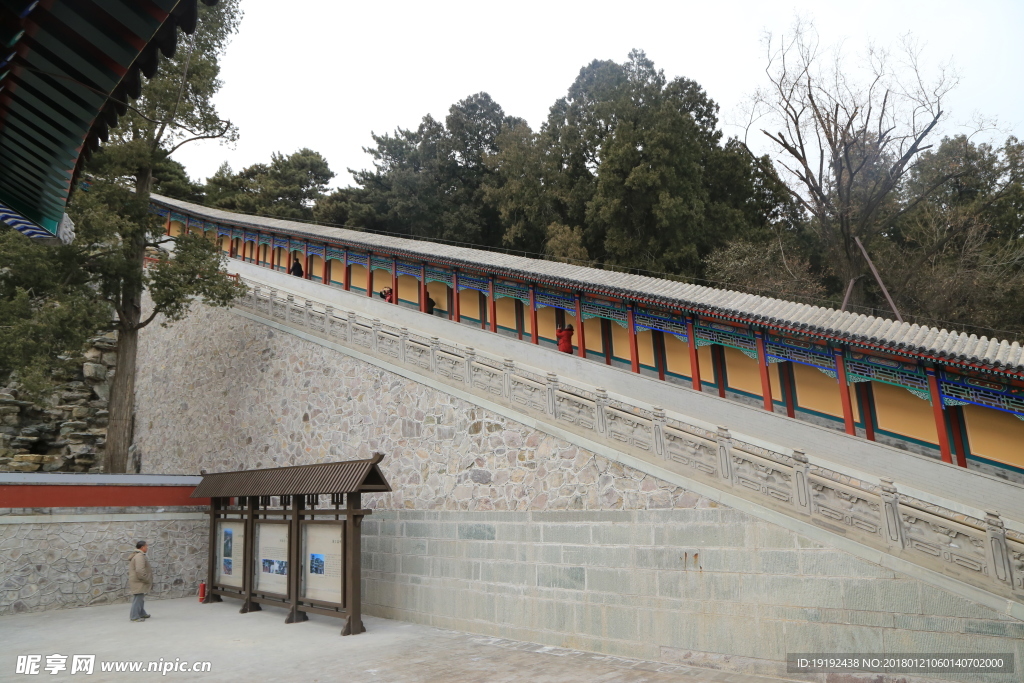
x=202, y=591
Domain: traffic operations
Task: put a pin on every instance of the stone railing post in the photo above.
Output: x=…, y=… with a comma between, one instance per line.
x=434, y=344
x=659, y=432
x=552, y=388
x=329, y=321
x=724, y=440
x=273, y=302
x=403, y=334
x=305, y=313
x=509, y=367
x=374, y=329
x=470, y=355
x=997, y=551
x=349, y=334
x=801, y=484
x=894, y=536
x=602, y=405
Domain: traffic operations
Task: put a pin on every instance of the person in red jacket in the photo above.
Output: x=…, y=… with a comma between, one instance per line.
x=564, y=336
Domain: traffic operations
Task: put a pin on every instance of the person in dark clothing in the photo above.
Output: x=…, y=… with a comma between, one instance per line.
x=430, y=305
x=296, y=268
x=564, y=337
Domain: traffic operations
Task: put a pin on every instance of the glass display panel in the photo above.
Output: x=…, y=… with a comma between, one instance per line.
x=323, y=561
x=272, y=558
x=230, y=552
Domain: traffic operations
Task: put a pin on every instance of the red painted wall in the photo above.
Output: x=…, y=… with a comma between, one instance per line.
x=44, y=496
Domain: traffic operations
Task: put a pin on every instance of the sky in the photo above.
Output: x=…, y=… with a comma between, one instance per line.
x=323, y=74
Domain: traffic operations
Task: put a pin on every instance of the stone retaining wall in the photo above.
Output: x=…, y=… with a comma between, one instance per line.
x=52, y=561
x=498, y=528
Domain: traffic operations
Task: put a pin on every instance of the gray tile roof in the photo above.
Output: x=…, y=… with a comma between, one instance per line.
x=869, y=331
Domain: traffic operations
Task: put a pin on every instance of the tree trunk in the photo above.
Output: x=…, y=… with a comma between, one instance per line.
x=122, y=389
x=122, y=399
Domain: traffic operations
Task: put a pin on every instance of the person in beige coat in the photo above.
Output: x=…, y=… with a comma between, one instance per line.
x=140, y=580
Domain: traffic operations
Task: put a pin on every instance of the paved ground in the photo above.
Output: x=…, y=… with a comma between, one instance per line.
x=261, y=647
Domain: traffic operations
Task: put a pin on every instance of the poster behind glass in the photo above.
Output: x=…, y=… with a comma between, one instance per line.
x=230, y=552
x=322, y=557
x=272, y=558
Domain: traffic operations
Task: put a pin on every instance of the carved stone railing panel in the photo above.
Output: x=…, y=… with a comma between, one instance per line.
x=362, y=335
x=692, y=451
x=417, y=354
x=940, y=538
x=762, y=475
x=451, y=366
x=388, y=343
x=629, y=429
x=317, y=320
x=576, y=410
x=488, y=378
x=981, y=552
x=528, y=393
x=846, y=508
x=1015, y=550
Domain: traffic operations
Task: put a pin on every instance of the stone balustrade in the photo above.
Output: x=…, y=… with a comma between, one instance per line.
x=978, y=551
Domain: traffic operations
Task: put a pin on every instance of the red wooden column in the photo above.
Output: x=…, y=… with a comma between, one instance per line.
x=718, y=367
x=423, y=288
x=940, y=415
x=492, y=306
x=534, y=335
x=456, y=313
x=634, y=351
x=167, y=227
x=482, y=307
x=347, y=274
x=762, y=366
x=660, y=357
x=865, y=401
x=326, y=278
x=954, y=413
x=785, y=376
x=369, y=273
x=694, y=358
x=607, y=348
x=308, y=258
x=579, y=322
x=844, y=392
x=394, y=280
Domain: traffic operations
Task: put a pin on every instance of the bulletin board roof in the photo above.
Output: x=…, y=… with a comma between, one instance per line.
x=350, y=476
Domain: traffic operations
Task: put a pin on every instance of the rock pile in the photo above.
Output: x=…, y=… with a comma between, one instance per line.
x=68, y=432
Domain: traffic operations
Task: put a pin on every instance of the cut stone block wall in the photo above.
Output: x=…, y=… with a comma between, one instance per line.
x=53, y=561
x=497, y=528
x=709, y=587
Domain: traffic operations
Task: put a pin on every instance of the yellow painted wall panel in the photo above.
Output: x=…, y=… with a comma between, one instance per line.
x=409, y=289
x=358, y=275
x=546, y=323
x=901, y=412
x=645, y=347
x=592, y=332
x=742, y=372
x=469, y=304
x=506, y=311
x=225, y=244
x=438, y=291
x=620, y=342
x=316, y=266
x=381, y=279
x=817, y=391
x=677, y=354
x=707, y=368
x=775, y=381
x=337, y=271
x=177, y=228
x=995, y=435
